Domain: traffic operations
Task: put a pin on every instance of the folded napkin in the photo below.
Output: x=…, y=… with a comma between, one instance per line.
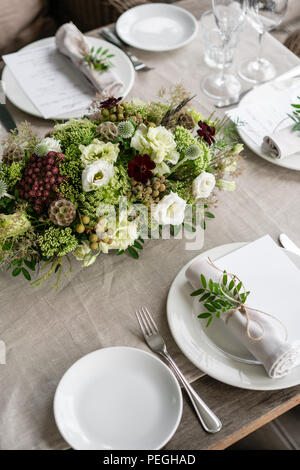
x=282, y=143
x=72, y=43
x=277, y=355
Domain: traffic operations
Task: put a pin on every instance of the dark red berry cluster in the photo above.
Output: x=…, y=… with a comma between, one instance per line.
x=41, y=180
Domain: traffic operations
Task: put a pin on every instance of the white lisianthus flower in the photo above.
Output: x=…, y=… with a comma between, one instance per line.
x=96, y=174
x=170, y=210
x=159, y=143
x=121, y=234
x=82, y=250
x=99, y=150
x=203, y=185
x=84, y=253
x=47, y=145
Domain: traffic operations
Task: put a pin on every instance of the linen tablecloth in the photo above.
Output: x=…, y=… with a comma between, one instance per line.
x=46, y=331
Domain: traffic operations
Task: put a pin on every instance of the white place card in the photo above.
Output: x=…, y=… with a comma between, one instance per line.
x=273, y=279
x=50, y=80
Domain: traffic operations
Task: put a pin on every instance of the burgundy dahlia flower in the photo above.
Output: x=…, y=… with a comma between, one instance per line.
x=206, y=132
x=110, y=102
x=140, y=168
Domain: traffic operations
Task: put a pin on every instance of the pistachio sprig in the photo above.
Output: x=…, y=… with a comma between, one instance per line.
x=99, y=59
x=212, y=295
x=295, y=116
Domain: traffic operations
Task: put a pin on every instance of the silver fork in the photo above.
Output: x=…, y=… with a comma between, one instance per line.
x=207, y=418
x=139, y=66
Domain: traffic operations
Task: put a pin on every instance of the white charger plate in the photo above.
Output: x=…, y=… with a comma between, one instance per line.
x=157, y=27
x=118, y=398
x=291, y=162
x=229, y=363
x=18, y=97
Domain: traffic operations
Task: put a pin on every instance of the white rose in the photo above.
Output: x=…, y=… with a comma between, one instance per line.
x=203, y=185
x=99, y=150
x=159, y=143
x=163, y=145
x=47, y=145
x=96, y=174
x=139, y=140
x=170, y=210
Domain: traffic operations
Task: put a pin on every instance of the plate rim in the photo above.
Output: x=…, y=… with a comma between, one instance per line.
x=34, y=111
x=255, y=148
x=164, y=366
x=273, y=384
x=151, y=5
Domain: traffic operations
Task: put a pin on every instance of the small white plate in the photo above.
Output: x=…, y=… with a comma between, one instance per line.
x=16, y=95
x=291, y=162
x=116, y=399
x=157, y=27
x=218, y=353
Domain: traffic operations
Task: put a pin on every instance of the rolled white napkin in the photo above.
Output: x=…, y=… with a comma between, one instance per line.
x=72, y=43
x=282, y=143
x=277, y=355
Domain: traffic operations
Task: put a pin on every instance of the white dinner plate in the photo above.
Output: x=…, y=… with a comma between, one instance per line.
x=291, y=162
x=116, y=399
x=17, y=96
x=157, y=27
x=218, y=353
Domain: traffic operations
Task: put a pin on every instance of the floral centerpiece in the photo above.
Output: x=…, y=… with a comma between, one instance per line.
x=70, y=193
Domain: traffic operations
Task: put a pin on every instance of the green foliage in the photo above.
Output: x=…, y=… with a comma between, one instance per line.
x=99, y=59
x=212, y=295
x=295, y=116
x=57, y=242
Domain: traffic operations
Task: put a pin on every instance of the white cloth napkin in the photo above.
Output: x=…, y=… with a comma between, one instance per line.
x=282, y=143
x=277, y=355
x=72, y=43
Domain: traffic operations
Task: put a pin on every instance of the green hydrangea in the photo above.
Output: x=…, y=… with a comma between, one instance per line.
x=191, y=168
x=11, y=174
x=118, y=186
x=57, y=242
x=74, y=133
x=184, y=189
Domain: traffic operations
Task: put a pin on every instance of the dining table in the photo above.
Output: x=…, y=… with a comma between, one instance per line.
x=46, y=330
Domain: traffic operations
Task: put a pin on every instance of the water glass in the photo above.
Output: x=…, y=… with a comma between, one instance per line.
x=214, y=54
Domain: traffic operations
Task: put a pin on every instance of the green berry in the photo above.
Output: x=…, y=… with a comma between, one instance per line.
x=94, y=246
x=80, y=228
x=86, y=220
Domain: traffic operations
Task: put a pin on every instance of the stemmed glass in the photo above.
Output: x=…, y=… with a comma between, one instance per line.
x=264, y=15
x=229, y=16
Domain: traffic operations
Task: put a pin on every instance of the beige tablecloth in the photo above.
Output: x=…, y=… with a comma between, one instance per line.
x=46, y=331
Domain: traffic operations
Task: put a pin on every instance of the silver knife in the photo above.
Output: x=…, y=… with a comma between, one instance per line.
x=6, y=118
x=287, y=243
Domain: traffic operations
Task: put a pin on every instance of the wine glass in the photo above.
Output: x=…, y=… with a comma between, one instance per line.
x=229, y=16
x=264, y=15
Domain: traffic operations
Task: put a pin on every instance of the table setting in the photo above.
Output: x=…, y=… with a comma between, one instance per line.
x=149, y=237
